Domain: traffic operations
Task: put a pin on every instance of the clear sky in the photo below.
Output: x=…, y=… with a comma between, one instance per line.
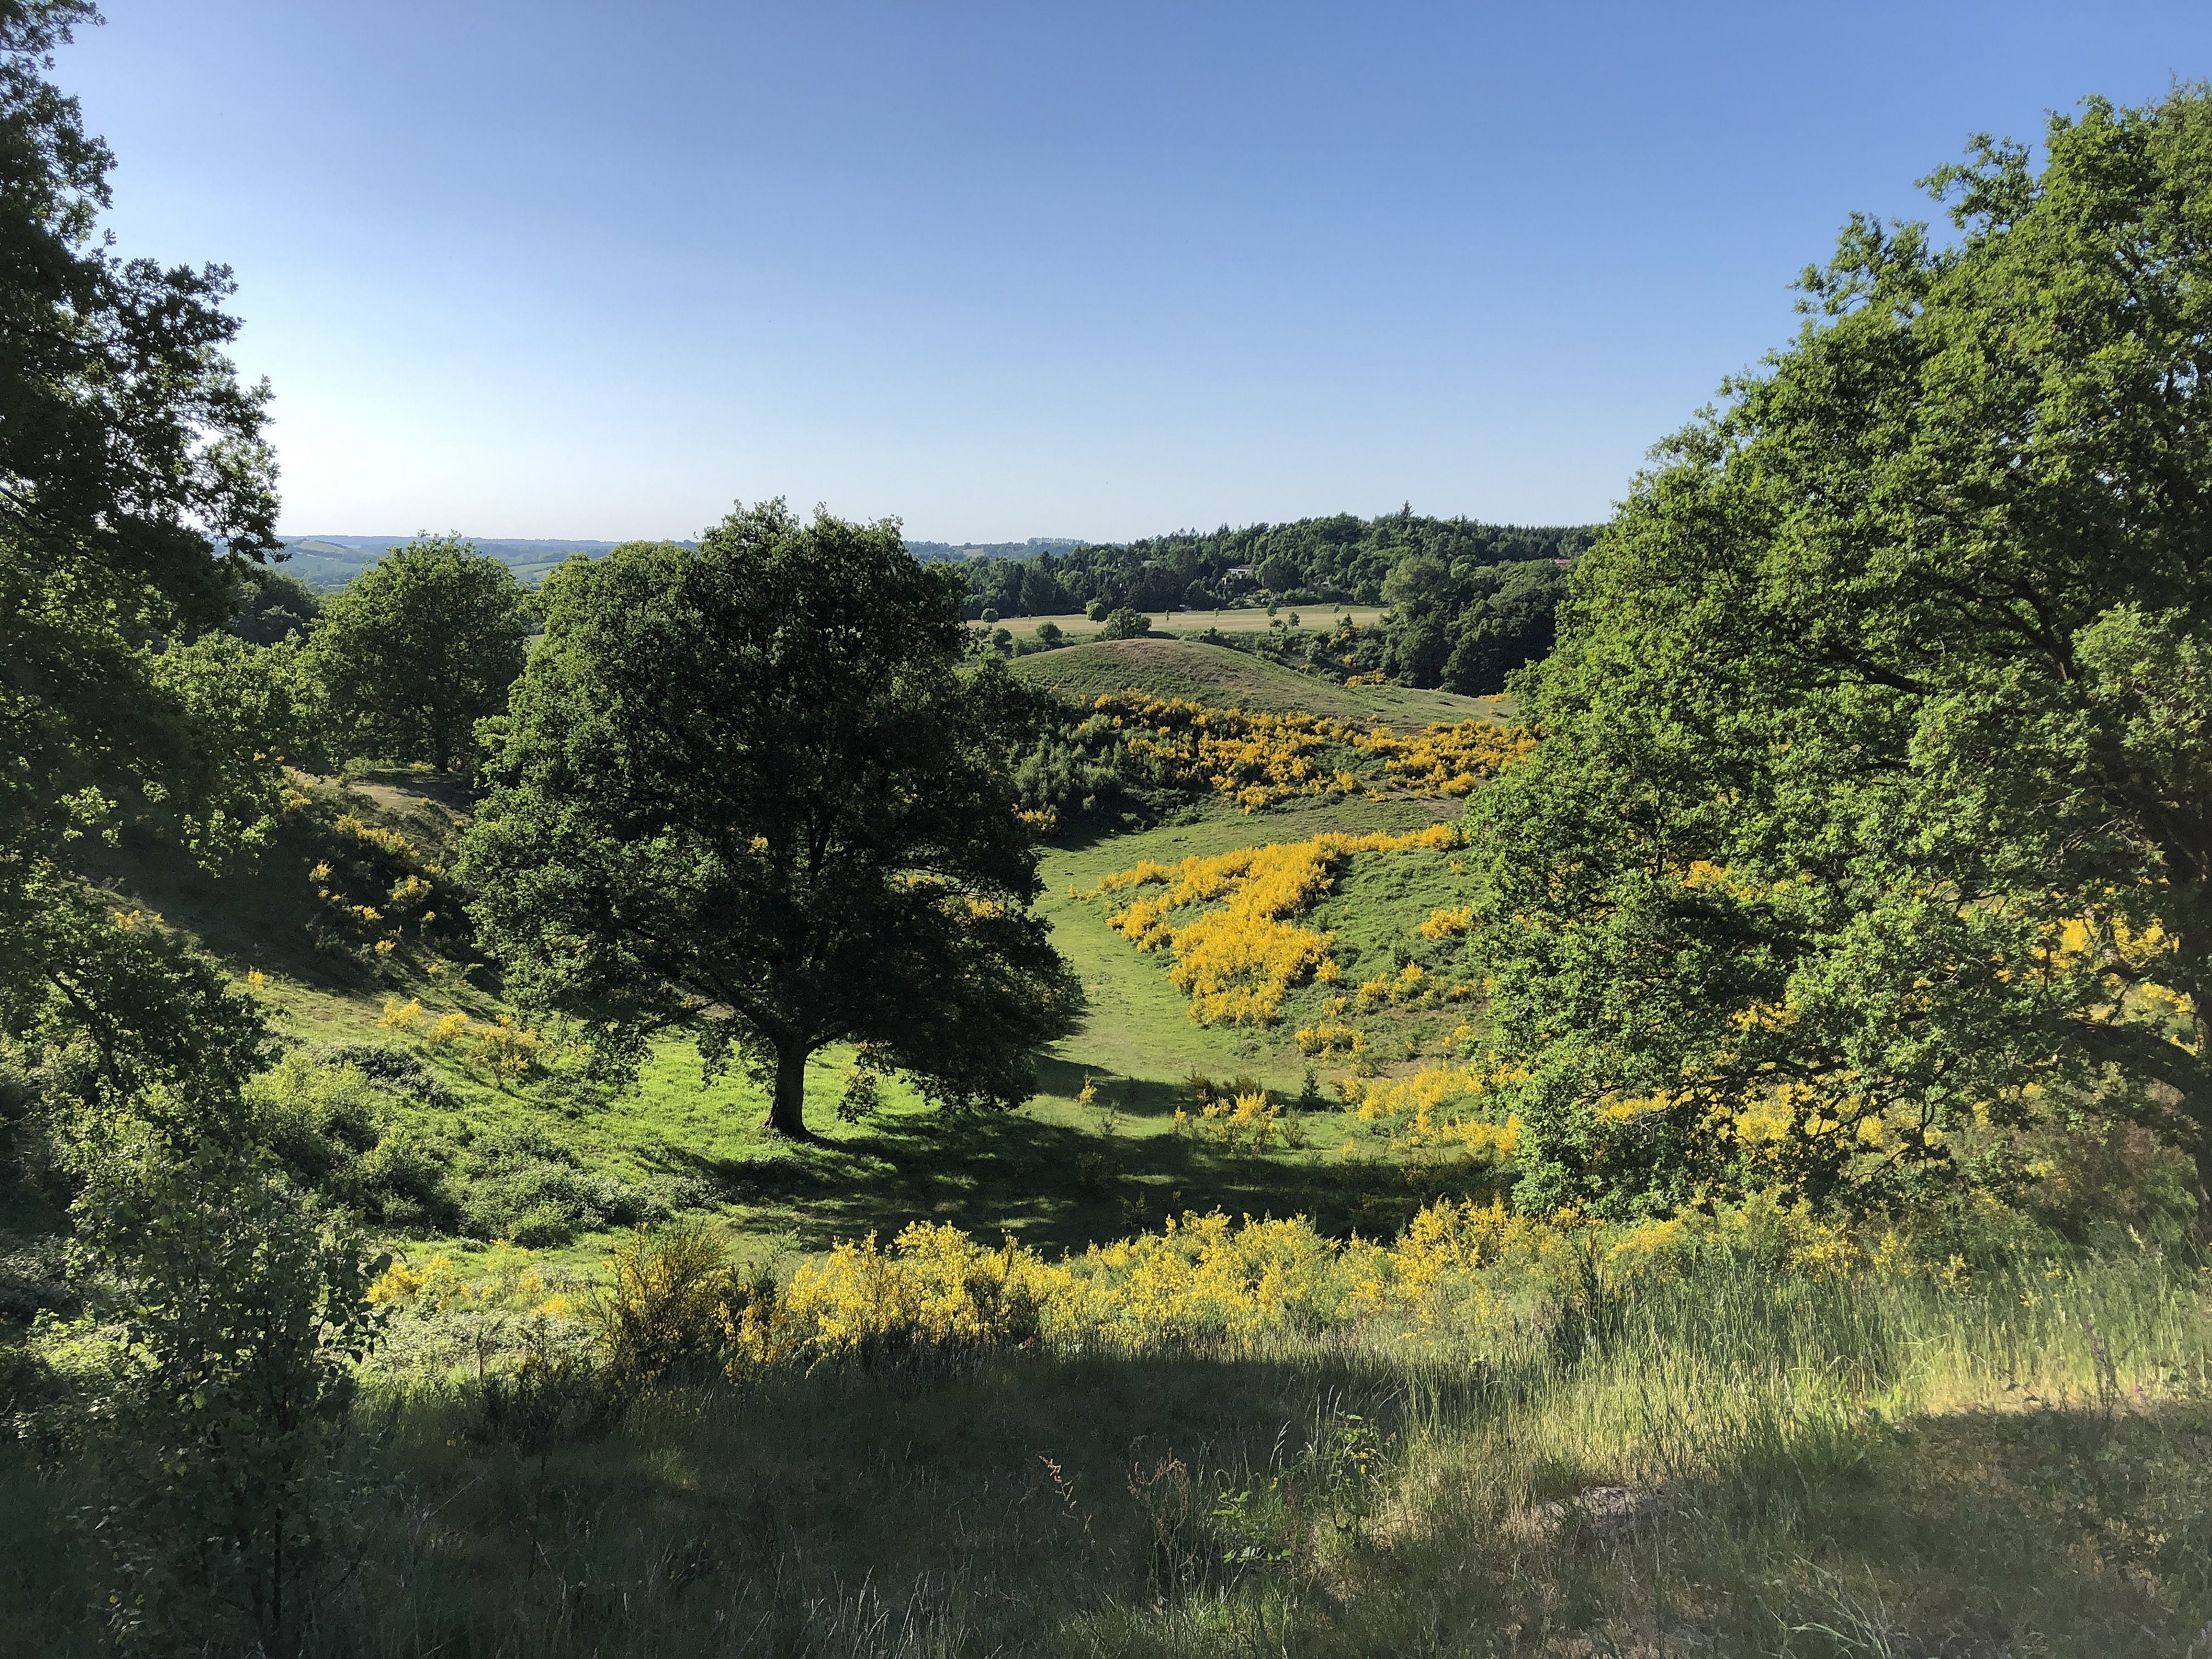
x=530, y=268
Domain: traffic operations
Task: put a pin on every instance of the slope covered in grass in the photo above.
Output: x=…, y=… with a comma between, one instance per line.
x=1216, y=675
x=470, y=1155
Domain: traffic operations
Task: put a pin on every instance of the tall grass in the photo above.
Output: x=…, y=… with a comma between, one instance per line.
x=1718, y=1459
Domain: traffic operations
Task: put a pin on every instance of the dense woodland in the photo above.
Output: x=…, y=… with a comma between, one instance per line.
x=1473, y=601
x=710, y=1104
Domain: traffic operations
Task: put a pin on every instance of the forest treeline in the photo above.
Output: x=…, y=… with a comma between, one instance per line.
x=1471, y=602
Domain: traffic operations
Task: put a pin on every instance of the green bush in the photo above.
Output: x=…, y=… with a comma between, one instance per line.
x=1126, y=624
x=332, y=1126
x=525, y=1186
x=242, y=1312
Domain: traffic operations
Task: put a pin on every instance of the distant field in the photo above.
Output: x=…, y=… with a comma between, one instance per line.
x=1194, y=622
x=1215, y=674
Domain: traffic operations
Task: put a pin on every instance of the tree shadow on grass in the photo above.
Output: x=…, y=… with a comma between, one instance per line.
x=1137, y=1096
x=1053, y=1186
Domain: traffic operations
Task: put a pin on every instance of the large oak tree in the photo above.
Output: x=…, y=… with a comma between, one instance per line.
x=1874, y=805
x=750, y=790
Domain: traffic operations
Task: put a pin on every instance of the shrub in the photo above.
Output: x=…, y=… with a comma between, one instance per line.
x=1126, y=624
x=243, y=1312
x=528, y=1187
x=1240, y=961
x=329, y=1125
x=1250, y=1122
x=394, y=1069
x=934, y=1291
x=670, y=1314
x=510, y=1049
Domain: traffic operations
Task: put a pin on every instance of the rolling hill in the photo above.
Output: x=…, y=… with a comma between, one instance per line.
x=1217, y=675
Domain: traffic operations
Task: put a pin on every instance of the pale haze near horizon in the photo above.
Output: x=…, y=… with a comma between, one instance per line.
x=1002, y=271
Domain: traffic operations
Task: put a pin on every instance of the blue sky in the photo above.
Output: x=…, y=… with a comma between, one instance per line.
x=571, y=269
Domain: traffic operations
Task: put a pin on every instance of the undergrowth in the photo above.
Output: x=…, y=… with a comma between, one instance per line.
x=1489, y=1437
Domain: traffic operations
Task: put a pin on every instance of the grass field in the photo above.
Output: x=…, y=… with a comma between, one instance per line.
x=1215, y=674
x=1741, y=1465
x=1229, y=622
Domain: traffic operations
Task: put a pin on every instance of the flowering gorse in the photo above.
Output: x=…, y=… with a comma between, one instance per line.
x=1239, y=961
x=1439, y=1107
x=1258, y=759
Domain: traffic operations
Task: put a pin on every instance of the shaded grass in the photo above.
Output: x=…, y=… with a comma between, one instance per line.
x=1742, y=1465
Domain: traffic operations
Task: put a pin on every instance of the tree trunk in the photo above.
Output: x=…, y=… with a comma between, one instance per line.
x=786, y=1110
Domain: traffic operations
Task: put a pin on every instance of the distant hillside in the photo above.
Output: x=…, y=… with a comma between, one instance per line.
x=334, y=561
x=1223, y=678
x=1470, y=603
x=1332, y=561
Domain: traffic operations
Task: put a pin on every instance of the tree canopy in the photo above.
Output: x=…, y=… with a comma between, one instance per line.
x=1472, y=602
x=135, y=489
x=1870, y=814
x=747, y=791
x=419, y=647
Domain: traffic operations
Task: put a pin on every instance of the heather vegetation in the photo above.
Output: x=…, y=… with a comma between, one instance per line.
x=715, y=1104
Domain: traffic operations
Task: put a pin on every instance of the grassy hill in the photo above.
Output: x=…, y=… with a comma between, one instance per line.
x=1559, y=1449
x=519, y=1153
x=1217, y=675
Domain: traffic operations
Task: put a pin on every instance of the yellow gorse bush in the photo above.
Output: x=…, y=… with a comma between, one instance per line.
x=405, y=1017
x=1204, y=1280
x=390, y=843
x=510, y=1049
x=1210, y=1280
x=1326, y=1040
x=511, y=1280
x=1439, y=1107
x=1410, y=984
x=934, y=1287
x=1207, y=1277
x=409, y=891
x=1257, y=759
x=1445, y=760
x=1253, y=759
x=1238, y=962
x=1248, y=1123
